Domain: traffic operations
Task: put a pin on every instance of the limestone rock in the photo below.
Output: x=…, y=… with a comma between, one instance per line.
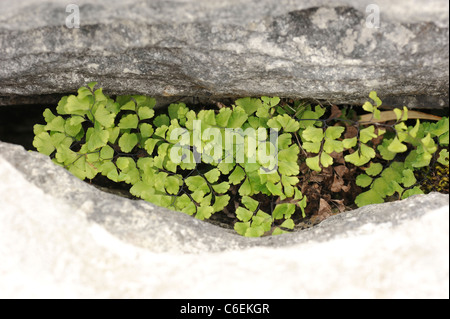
x=317, y=49
x=61, y=237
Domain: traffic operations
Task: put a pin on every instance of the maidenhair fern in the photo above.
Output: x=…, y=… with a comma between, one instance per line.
x=244, y=159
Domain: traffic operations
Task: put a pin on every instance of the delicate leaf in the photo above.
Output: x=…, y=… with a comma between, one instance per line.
x=237, y=118
x=367, y=134
x=103, y=116
x=374, y=169
x=349, y=142
x=375, y=98
x=288, y=223
x=127, y=142
x=334, y=132
x=408, y=179
x=145, y=113
x=237, y=176
x=250, y=105
x=243, y=214
x=43, y=143
x=204, y=212
x=246, y=188
x=313, y=134
x=241, y=227
x=363, y=180
x=129, y=121
x=410, y=192
x=367, y=198
x=250, y=203
x=96, y=138
x=221, y=202
x=313, y=163
x=213, y=175
x=283, y=211
x=221, y=188
x=443, y=157
x=397, y=147
x=325, y=159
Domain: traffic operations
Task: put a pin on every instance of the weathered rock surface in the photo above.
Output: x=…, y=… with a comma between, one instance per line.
x=61, y=237
x=317, y=49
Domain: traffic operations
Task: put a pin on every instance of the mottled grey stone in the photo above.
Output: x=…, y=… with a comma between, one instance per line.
x=304, y=49
x=61, y=237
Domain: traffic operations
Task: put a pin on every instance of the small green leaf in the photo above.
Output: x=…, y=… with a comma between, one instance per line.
x=243, y=214
x=254, y=231
x=443, y=157
x=287, y=161
x=368, y=107
x=367, y=198
x=375, y=98
x=410, y=192
x=275, y=189
x=334, y=132
x=250, y=105
x=374, y=169
x=237, y=118
x=312, y=147
x=197, y=183
x=246, y=188
x=397, y=147
x=221, y=188
x=408, y=179
x=77, y=105
x=367, y=134
x=113, y=134
x=73, y=129
x=145, y=113
x=103, y=116
x=357, y=159
x=221, y=202
x=92, y=84
x=150, y=145
x=241, y=227
x=129, y=121
x=223, y=117
x=288, y=223
x=283, y=211
x=278, y=231
x=213, y=175
x=127, y=142
x=172, y=185
x=56, y=125
x=363, y=180
x=325, y=159
x=367, y=151
x=313, y=134
x=204, y=212
x=146, y=130
x=313, y=163
x=349, y=142
x=107, y=153
x=96, y=138
x=284, y=140
x=43, y=143
x=333, y=146
x=250, y=203
x=237, y=176
x=384, y=151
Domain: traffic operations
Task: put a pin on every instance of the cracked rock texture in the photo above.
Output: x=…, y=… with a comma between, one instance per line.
x=213, y=48
x=61, y=237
